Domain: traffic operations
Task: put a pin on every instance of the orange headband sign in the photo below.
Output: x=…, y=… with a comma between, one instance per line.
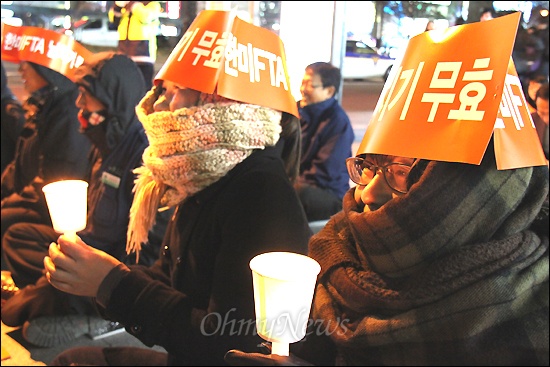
x=44, y=47
x=244, y=62
x=452, y=90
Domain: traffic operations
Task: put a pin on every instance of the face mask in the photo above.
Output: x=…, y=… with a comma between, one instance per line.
x=88, y=119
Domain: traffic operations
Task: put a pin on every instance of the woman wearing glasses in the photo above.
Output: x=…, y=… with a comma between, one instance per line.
x=430, y=263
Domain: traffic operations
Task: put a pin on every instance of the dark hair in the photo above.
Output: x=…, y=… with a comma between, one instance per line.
x=428, y=23
x=330, y=74
x=539, y=78
x=542, y=93
x=488, y=10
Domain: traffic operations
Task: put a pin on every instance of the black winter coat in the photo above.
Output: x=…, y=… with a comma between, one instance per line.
x=197, y=300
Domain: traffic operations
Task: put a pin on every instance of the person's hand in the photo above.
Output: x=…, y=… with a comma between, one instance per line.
x=239, y=358
x=76, y=268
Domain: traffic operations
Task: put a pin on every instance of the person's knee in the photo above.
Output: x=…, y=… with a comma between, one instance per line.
x=18, y=216
x=18, y=232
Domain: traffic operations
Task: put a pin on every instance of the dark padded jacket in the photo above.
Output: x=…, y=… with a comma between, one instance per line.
x=327, y=137
x=197, y=300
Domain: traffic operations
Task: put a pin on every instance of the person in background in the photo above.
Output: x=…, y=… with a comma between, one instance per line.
x=233, y=199
x=12, y=121
x=138, y=26
x=411, y=275
x=527, y=53
x=459, y=21
x=50, y=147
x=541, y=31
x=530, y=90
x=540, y=116
x=327, y=138
x=430, y=25
x=110, y=86
x=487, y=14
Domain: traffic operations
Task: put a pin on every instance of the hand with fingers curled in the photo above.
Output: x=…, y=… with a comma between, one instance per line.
x=76, y=268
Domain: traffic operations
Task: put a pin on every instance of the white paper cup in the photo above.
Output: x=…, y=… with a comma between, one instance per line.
x=67, y=203
x=284, y=284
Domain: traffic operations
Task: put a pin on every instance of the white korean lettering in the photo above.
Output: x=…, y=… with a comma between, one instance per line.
x=442, y=83
x=206, y=41
x=468, y=102
x=512, y=100
x=186, y=41
x=409, y=76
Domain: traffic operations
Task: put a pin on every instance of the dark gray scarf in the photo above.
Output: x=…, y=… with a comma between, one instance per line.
x=448, y=274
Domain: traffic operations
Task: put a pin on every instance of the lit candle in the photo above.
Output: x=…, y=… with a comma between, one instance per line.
x=284, y=284
x=67, y=203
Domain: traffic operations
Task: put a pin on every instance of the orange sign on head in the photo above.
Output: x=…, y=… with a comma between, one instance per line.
x=442, y=100
x=244, y=62
x=44, y=47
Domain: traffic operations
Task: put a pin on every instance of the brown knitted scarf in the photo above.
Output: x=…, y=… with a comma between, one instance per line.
x=190, y=149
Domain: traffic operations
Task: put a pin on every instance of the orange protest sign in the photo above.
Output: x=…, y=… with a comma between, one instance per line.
x=441, y=103
x=516, y=141
x=244, y=62
x=44, y=47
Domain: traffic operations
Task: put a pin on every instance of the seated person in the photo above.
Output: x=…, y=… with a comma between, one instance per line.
x=414, y=275
x=233, y=199
x=110, y=87
x=327, y=138
x=434, y=259
x=51, y=122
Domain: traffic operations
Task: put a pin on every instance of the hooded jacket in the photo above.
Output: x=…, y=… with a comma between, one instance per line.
x=50, y=147
x=119, y=142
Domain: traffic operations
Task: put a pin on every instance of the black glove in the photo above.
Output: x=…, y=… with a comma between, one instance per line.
x=239, y=358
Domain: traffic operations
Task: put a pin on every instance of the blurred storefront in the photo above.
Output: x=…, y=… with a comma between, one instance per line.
x=311, y=31
x=378, y=23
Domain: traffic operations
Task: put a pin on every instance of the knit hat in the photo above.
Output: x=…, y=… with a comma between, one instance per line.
x=190, y=149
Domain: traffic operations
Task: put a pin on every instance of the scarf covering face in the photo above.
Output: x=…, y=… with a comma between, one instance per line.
x=190, y=149
x=447, y=274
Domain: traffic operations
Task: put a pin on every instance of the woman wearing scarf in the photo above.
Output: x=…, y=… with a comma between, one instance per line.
x=218, y=161
x=447, y=267
x=440, y=253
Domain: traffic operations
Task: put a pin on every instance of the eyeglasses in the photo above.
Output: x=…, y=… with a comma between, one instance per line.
x=362, y=172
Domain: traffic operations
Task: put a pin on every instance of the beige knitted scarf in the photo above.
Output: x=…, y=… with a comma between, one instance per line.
x=190, y=149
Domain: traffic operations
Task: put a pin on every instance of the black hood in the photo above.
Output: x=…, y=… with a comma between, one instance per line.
x=116, y=81
x=59, y=81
